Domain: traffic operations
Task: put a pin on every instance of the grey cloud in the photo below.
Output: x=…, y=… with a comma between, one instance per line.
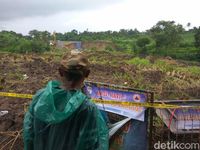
x=12, y=9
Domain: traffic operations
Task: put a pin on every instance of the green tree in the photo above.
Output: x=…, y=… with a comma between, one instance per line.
x=36, y=41
x=166, y=33
x=188, y=25
x=40, y=40
x=59, y=36
x=197, y=38
x=35, y=34
x=72, y=36
x=142, y=43
x=45, y=36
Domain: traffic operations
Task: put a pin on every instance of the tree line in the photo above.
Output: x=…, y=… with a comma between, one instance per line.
x=164, y=38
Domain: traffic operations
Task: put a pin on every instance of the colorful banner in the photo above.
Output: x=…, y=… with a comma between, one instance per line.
x=103, y=93
x=188, y=119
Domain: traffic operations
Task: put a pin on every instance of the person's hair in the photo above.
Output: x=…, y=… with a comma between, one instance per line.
x=71, y=75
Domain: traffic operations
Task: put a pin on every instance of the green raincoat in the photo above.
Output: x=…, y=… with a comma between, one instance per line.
x=63, y=120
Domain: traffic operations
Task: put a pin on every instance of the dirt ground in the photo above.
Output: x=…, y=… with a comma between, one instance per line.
x=28, y=73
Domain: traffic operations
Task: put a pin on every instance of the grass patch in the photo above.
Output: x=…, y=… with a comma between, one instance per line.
x=164, y=66
x=193, y=70
x=139, y=62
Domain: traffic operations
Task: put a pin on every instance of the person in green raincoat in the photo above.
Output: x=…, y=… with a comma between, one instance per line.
x=61, y=117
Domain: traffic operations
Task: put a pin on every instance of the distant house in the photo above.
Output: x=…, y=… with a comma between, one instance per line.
x=73, y=45
x=68, y=44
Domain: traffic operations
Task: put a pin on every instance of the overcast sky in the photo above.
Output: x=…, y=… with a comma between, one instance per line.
x=95, y=15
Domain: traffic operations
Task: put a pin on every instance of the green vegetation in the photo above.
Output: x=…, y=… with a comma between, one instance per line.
x=13, y=42
x=165, y=66
x=139, y=61
x=197, y=38
x=145, y=45
x=166, y=34
x=166, y=38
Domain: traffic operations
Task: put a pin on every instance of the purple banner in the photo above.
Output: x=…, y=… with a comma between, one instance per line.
x=102, y=93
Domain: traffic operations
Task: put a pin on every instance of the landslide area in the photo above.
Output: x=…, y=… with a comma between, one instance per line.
x=27, y=73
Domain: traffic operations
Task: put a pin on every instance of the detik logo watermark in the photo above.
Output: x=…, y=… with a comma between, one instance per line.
x=173, y=145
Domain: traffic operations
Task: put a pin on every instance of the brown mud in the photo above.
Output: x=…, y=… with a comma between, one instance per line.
x=29, y=73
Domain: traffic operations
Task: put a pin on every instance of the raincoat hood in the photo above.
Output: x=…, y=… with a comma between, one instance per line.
x=55, y=104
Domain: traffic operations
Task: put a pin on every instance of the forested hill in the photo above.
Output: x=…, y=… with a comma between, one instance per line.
x=166, y=38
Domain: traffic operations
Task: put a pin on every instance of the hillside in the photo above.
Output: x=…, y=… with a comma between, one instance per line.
x=168, y=78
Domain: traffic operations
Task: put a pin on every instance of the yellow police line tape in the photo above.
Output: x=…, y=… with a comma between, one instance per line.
x=146, y=104
x=119, y=103
x=16, y=95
